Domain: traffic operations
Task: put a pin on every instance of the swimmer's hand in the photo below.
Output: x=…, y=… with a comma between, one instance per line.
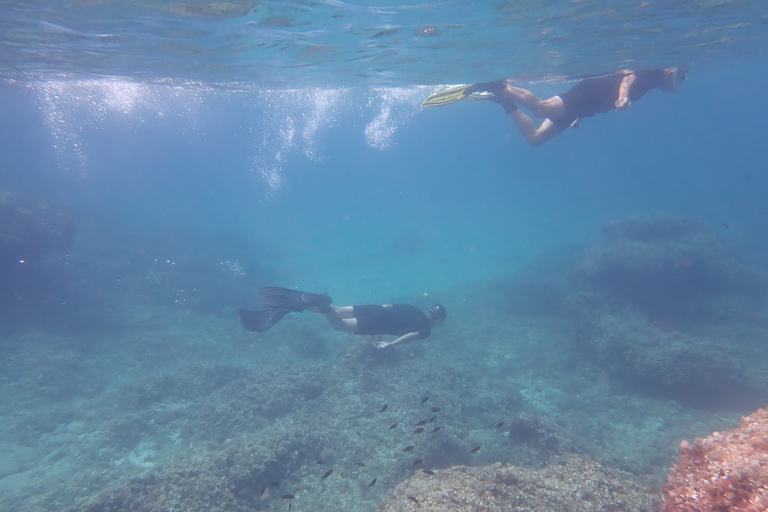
x=381, y=344
x=622, y=103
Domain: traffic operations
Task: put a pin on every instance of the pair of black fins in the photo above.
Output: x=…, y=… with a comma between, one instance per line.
x=480, y=91
x=277, y=303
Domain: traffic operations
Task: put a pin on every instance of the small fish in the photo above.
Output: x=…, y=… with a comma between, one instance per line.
x=358, y=433
x=263, y=491
x=436, y=409
x=358, y=463
x=436, y=429
x=408, y=448
x=394, y=425
x=418, y=430
x=428, y=471
x=499, y=424
x=289, y=506
x=373, y=482
x=420, y=423
x=475, y=449
x=319, y=461
x=424, y=399
x=417, y=462
x=726, y=226
x=413, y=499
x=327, y=474
x=384, y=408
x=433, y=418
x=287, y=496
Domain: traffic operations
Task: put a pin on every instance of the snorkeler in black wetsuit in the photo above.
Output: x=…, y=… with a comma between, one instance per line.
x=585, y=99
x=402, y=320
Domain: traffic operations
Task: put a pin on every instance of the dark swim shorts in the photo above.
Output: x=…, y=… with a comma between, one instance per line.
x=589, y=97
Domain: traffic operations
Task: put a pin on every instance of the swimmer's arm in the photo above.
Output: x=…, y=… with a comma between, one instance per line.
x=405, y=338
x=623, y=102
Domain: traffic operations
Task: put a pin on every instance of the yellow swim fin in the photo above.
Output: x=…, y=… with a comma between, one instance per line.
x=450, y=96
x=463, y=92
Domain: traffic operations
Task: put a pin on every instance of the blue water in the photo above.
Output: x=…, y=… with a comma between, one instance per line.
x=205, y=149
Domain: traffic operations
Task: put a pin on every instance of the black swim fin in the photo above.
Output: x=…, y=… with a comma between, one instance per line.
x=292, y=300
x=258, y=321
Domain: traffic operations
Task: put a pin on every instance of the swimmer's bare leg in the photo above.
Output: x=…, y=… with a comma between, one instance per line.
x=341, y=318
x=552, y=108
x=535, y=135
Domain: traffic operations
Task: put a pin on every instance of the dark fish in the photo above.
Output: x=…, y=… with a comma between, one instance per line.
x=287, y=496
x=418, y=430
x=263, y=491
x=436, y=409
x=420, y=423
x=424, y=399
x=475, y=449
x=373, y=482
x=384, y=408
x=433, y=418
x=358, y=463
x=327, y=474
x=319, y=461
x=500, y=424
x=413, y=499
x=394, y=425
x=417, y=462
x=408, y=448
x=384, y=33
x=289, y=506
x=428, y=471
x=358, y=433
x=436, y=429
x=726, y=226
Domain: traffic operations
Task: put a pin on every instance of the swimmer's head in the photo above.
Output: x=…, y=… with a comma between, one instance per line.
x=673, y=77
x=436, y=314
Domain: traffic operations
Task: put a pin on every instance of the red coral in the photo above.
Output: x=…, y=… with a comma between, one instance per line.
x=725, y=472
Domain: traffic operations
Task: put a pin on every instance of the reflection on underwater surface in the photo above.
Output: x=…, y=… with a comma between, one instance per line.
x=279, y=43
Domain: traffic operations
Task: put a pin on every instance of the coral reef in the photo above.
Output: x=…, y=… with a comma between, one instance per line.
x=576, y=485
x=725, y=472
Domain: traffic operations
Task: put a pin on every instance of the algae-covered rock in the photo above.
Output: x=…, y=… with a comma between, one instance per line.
x=577, y=485
x=666, y=265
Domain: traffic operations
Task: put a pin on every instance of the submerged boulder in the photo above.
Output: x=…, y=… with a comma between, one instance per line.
x=697, y=369
x=656, y=302
x=666, y=265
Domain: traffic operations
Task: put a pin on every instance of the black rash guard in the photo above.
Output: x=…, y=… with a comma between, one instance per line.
x=597, y=95
x=396, y=319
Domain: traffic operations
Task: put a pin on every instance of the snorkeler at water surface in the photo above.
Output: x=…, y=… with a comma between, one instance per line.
x=402, y=320
x=585, y=99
